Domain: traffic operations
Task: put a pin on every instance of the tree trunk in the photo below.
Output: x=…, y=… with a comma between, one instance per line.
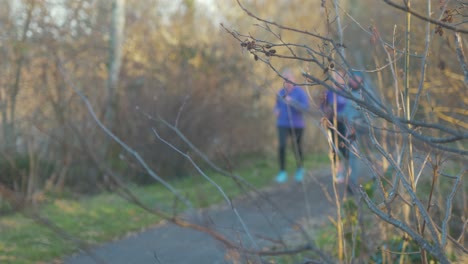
x=115, y=60
x=20, y=50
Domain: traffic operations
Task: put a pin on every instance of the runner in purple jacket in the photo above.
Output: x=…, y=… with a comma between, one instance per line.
x=291, y=102
x=343, y=116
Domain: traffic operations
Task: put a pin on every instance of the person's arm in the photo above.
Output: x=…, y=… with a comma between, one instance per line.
x=276, y=110
x=298, y=100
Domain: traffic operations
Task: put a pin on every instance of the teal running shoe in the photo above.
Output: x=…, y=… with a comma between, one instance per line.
x=282, y=177
x=299, y=177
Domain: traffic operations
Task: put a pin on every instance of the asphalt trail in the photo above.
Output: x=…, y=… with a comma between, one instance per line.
x=273, y=214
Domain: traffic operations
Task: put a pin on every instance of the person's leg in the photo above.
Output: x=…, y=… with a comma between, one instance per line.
x=342, y=145
x=343, y=148
x=354, y=162
x=298, y=146
x=282, y=135
x=298, y=132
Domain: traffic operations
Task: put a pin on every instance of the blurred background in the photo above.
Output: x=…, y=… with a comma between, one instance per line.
x=172, y=60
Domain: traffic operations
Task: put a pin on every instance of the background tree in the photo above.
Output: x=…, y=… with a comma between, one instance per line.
x=115, y=58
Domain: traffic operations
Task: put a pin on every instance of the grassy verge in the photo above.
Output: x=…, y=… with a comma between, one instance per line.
x=108, y=216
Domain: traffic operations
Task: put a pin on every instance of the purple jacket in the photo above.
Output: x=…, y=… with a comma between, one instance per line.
x=291, y=115
x=340, y=101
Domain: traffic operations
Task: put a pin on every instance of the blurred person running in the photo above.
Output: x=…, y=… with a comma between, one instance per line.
x=291, y=103
x=335, y=106
x=354, y=117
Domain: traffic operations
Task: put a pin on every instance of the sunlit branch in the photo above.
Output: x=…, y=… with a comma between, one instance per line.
x=461, y=56
x=415, y=106
x=424, y=17
x=248, y=12
x=384, y=43
x=336, y=46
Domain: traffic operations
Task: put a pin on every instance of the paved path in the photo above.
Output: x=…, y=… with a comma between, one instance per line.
x=171, y=244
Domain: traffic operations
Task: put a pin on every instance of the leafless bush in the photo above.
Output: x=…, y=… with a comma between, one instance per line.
x=414, y=131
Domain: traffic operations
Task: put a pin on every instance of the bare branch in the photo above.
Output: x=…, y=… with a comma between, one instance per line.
x=120, y=142
x=461, y=56
x=220, y=190
x=448, y=207
x=423, y=243
x=425, y=18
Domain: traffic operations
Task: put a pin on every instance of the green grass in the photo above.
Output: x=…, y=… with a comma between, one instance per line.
x=108, y=216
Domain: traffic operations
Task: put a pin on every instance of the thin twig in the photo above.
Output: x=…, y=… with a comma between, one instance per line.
x=425, y=18
x=448, y=207
x=120, y=142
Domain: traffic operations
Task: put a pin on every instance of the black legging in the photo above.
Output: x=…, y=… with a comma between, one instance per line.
x=342, y=146
x=296, y=133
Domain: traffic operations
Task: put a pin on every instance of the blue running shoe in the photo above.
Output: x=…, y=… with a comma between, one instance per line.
x=299, y=175
x=282, y=177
